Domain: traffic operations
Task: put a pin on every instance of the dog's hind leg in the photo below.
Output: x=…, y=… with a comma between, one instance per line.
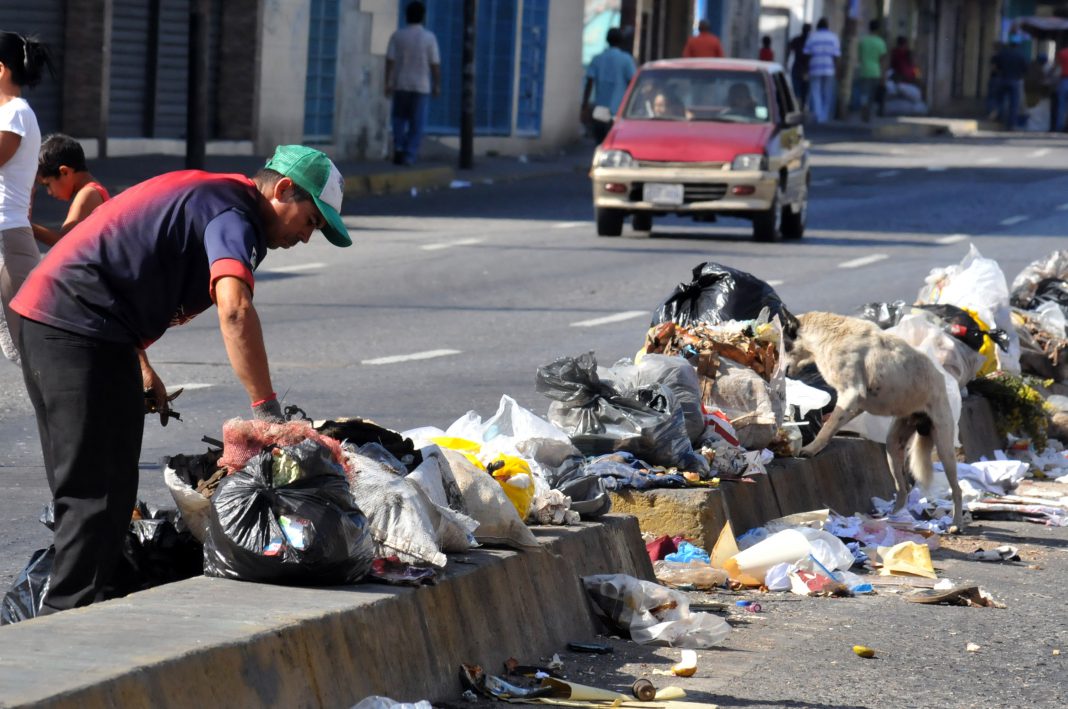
x=897, y=441
x=846, y=410
x=947, y=453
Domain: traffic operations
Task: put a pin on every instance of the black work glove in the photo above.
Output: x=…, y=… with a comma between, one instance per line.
x=269, y=410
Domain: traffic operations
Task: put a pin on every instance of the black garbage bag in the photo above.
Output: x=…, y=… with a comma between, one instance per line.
x=305, y=529
x=720, y=293
x=885, y=315
x=23, y=599
x=154, y=552
x=601, y=418
x=814, y=418
x=1051, y=290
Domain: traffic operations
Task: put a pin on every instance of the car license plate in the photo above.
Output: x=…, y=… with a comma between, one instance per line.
x=659, y=193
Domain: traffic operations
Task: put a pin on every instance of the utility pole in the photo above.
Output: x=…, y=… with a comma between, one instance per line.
x=196, y=117
x=105, y=81
x=467, y=86
x=848, y=59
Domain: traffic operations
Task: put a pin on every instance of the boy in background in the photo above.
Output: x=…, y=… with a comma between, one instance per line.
x=62, y=170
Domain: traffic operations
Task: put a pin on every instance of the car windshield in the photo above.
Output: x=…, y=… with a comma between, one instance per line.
x=699, y=95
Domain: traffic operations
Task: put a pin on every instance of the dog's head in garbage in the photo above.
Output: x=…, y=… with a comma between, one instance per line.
x=798, y=355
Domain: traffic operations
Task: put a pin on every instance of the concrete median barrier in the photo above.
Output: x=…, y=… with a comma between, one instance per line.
x=211, y=642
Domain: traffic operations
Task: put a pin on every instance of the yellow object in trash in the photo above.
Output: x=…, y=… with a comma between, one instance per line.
x=864, y=651
x=514, y=476
x=907, y=558
x=469, y=449
x=989, y=348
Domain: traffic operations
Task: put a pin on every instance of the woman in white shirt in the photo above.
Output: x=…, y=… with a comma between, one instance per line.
x=22, y=60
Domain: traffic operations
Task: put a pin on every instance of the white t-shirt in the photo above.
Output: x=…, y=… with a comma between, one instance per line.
x=413, y=50
x=18, y=174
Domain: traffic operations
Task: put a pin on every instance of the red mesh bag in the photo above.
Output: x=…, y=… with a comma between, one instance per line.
x=245, y=439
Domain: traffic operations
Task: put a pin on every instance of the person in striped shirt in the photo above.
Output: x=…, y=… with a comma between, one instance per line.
x=823, y=51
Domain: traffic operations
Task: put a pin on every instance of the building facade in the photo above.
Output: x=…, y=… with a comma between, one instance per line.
x=288, y=71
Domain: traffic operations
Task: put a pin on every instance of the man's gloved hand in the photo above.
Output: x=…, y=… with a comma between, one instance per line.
x=269, y=410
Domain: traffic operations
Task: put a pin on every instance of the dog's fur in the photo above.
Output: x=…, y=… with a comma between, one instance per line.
x=880, y=374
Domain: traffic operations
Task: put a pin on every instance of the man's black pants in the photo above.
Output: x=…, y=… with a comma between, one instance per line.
x=90, y=415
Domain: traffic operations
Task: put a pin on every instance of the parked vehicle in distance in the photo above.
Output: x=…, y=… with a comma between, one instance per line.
x=705, y=137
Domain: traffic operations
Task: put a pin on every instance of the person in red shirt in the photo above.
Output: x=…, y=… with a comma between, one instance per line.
x=767, y=54
x=61, y=168
x=703, y=44
x=1062, y=89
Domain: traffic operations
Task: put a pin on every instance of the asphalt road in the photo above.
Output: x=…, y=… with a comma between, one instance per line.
x=490, y=282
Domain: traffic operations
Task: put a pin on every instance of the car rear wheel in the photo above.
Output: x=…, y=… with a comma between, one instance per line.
x=610, y=222
x=642, y=221
x=794, y=220
x=767, y=225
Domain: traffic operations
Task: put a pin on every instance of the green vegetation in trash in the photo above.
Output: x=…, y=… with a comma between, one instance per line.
x=1018, y=407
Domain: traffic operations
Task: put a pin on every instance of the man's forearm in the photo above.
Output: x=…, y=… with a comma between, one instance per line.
x=243, y=337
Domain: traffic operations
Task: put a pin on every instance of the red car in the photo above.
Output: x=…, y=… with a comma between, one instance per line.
x=702, y=137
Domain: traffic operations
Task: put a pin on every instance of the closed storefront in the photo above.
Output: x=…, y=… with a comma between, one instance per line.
x=150, y=65
x=43, y=18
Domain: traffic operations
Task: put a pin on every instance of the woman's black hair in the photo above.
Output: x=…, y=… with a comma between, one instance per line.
x=25, y=57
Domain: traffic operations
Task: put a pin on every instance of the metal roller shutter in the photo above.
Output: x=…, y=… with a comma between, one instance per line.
x=130, y=69
x=172, y=69
x=43, y=18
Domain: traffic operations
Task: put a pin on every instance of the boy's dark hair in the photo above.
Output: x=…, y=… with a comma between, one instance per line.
x=873, y=26
x=614, y=38
x=267, y=177
x=25, y=57
x=765, y=40
x=823, y=24
x=58, y=150
x=415, y=12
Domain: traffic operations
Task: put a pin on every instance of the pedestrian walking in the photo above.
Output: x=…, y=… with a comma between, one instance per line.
x=799, y=68
x=767, y=54
x=62, y=170
x=607, y=79
x=153, y=257
x=823, y=50
x=1061, y=95
x=871, y=69
x=22, y=61
x=703, y=44
x=413, y=75
x=1011, y=67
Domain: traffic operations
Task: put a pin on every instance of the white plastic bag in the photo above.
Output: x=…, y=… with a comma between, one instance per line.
x=977, y=284
x=652, y=613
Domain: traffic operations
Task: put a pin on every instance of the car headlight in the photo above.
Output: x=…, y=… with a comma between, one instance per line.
x=750, y=161
x=614, y=158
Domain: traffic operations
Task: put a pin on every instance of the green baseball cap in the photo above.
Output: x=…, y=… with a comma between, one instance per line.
x=316, y=174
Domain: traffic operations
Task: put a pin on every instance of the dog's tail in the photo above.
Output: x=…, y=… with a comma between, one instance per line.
x=921, y=446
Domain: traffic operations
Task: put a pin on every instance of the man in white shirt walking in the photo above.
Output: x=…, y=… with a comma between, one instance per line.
x=413, y=74
x=823, y=51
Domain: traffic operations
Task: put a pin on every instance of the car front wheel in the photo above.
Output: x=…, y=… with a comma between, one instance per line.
x=610, y=222
x=642, y=221
x=794, y=220
x=767, y=225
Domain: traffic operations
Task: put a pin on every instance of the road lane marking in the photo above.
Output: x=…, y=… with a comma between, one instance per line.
x=1063, y=207
x=952, y=239
x=394, y=359
x=775, y=284
x=888, y=173
x=569, y=225
x=450, y=244
x=618, y=317
x=1040, y=153
x=190, y=387
x=822, y=183
x=988, y=161
x=937, y=168
x=863, y=261
x=296, y=268
x=1014, y=220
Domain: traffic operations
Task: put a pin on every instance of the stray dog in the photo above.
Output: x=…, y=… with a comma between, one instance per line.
x=878, y=373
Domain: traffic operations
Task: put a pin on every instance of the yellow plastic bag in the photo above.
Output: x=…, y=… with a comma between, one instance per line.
x=514, y=476
x=989, y=348
x=907, y=558
x=469, y=449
